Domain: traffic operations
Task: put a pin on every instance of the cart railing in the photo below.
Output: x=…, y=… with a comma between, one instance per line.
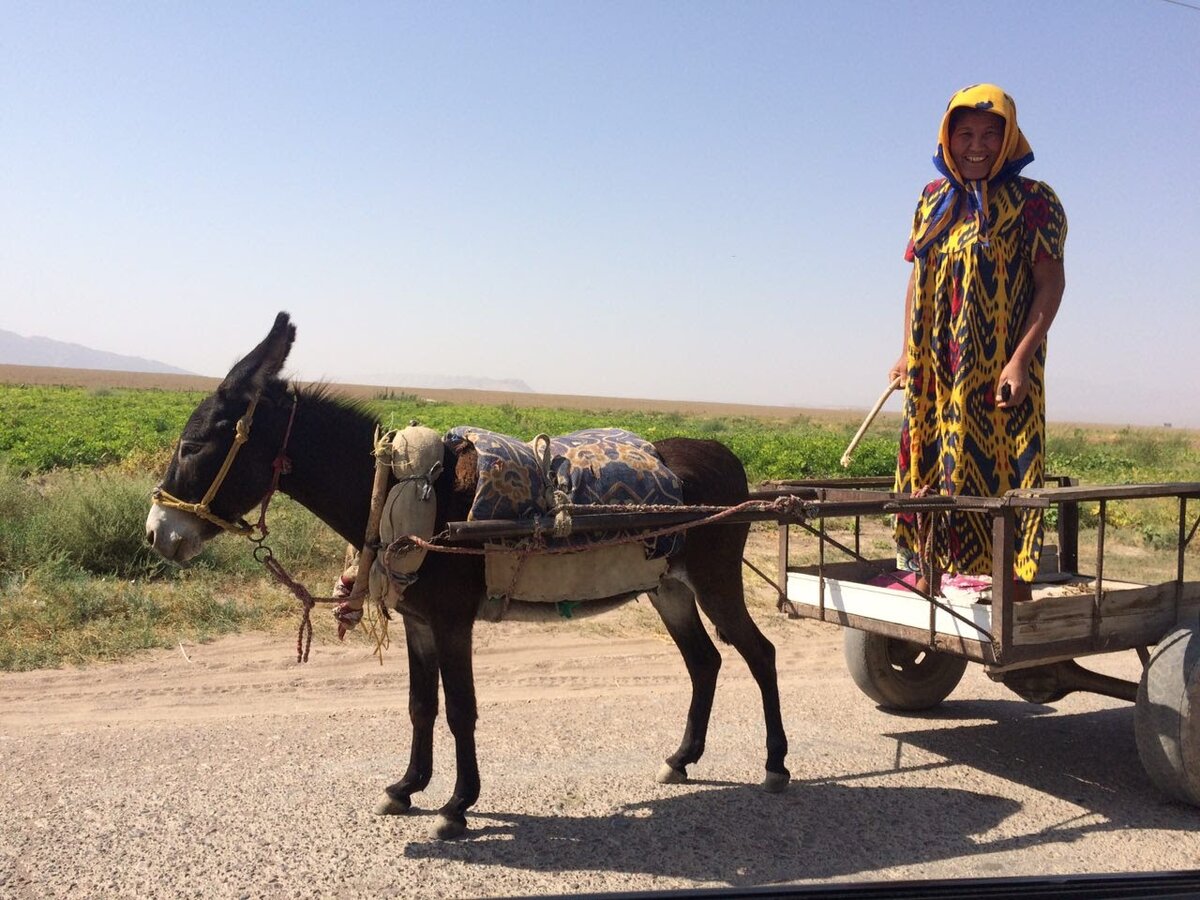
x=1140, y=614
x=1068, y=507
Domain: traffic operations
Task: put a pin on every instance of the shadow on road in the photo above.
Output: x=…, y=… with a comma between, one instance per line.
x=1087, y=759
x=733, y=835
x=847, y=823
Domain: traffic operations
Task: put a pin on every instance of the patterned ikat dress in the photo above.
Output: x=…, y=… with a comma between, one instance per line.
x=971, y=297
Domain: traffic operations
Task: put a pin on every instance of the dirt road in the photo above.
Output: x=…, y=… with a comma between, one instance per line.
x=226, y=770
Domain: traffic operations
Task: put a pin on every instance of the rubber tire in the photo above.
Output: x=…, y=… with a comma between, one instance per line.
x=899, y=674
x=1166, y=719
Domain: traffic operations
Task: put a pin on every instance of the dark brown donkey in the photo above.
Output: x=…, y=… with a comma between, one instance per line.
x=329, y=470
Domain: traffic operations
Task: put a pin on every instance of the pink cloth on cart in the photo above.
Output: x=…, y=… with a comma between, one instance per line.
x=964, y=583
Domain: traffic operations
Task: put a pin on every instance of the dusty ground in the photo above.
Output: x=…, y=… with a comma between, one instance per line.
x=226, y=770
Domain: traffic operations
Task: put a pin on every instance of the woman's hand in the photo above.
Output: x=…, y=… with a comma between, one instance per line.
x=1049, y=281
x=1014, y=376
x=899, y=371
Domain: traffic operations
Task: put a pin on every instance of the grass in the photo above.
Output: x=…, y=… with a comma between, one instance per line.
x=77, y=582
x=56, y=614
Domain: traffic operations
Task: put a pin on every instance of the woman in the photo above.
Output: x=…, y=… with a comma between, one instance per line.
x=986, y=282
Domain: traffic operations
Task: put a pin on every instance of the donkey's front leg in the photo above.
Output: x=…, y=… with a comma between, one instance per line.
x=422, y=711
x=458, y=680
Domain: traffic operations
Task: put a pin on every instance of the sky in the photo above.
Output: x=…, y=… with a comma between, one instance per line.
x=670, y=200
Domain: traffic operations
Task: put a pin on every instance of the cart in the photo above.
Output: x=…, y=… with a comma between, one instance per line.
x=907, y=650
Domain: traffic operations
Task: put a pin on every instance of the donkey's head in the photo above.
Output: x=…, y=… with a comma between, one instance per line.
x=222, y=465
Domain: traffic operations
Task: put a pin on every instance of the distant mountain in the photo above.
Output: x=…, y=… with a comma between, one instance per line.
x=16, y=350
x=443, y=382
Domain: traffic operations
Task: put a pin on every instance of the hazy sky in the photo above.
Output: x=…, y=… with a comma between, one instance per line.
x=678, y=200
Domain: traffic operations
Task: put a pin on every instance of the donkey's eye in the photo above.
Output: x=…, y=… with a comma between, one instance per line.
x=189, y=448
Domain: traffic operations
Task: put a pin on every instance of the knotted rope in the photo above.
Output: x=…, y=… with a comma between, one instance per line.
x=928, y=530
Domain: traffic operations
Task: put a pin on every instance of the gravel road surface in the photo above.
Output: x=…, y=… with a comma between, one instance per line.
x=226, y=770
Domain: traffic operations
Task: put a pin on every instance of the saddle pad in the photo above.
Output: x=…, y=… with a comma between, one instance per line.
x=594, y=466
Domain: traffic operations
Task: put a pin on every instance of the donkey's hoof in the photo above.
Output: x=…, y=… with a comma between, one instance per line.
x=390, y=806
x=447, y=829
x=776, y=782
x=668, y=774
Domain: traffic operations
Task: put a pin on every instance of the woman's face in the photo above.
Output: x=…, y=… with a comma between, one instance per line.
x=975, y=141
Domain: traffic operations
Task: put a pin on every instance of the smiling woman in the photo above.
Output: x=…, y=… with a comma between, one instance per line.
x=976, y=139
x=986, y=282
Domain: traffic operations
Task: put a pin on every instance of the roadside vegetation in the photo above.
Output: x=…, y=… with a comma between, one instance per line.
x=77, y=467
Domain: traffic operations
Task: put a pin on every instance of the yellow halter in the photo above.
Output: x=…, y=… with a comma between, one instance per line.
x=241, y=435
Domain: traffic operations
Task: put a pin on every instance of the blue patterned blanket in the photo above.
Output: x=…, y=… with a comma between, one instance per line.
x=595, y=466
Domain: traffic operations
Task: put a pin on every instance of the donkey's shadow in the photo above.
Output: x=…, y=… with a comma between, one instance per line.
x=847, y=824
x=733, y=834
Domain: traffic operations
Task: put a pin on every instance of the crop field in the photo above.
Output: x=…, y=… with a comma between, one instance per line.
x=79, y=458
x=44, y=428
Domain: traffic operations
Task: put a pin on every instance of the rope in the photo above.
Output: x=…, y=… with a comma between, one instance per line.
x=377, y=628
x=280, y=466
x=927, y=538
x=563, y=525
x=788, y=505
x=307, y=601
x=241, y=435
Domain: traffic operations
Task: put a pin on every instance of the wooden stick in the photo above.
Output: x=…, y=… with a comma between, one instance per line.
x=862, y=429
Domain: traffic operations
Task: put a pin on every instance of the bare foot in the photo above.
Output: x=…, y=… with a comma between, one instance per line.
x=922, y=585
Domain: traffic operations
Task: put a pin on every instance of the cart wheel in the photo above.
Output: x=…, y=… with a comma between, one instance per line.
x=899, y=674
x=1167, y=717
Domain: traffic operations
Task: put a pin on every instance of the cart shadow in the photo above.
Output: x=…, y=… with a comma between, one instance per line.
x=840, y=826
x=1088, y=759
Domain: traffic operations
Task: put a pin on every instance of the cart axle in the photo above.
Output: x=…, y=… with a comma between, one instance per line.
x=1052, y=682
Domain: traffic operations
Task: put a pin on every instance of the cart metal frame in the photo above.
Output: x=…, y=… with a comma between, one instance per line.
x=1007, y=635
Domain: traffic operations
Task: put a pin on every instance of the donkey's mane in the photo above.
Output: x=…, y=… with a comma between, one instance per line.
x=346, y=411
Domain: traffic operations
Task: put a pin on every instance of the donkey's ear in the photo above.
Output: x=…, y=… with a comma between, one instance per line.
x=264, y=362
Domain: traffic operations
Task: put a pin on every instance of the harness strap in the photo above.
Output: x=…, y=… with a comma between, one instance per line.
x=240, y=436
x=282, y=465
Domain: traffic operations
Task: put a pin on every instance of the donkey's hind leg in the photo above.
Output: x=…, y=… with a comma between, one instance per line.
x=724, y=603
x=422, y=711
x=458, y=680
x=676, y=605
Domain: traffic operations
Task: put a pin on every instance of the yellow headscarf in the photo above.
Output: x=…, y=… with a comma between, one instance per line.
x=1015, y=154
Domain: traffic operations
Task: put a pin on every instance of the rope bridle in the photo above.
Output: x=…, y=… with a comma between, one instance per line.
x=282, y=465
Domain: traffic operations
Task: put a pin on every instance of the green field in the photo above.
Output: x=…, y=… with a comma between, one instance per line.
x=45, y=428
x=77, y=467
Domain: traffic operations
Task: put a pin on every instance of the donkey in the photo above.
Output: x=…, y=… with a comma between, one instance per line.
x=321, y=446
